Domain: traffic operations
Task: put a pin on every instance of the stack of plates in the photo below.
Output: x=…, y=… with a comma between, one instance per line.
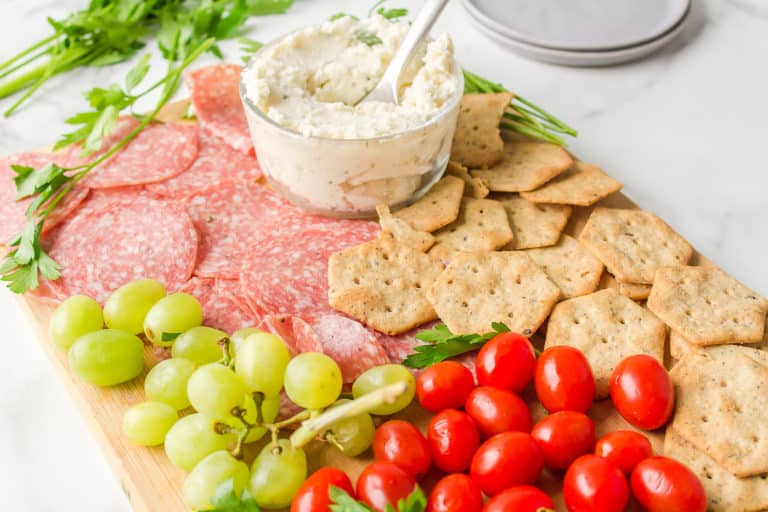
x=580, y=32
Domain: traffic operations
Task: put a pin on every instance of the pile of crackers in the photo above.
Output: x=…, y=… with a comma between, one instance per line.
x=486, y=244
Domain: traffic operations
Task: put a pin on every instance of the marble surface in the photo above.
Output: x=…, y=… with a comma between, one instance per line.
x=684, y=130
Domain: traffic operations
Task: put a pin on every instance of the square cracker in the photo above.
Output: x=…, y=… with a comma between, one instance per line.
x=473, y=187
x=382, y=284
x=679, y=345
x=570, y=266
x=477, y=141
x=401, y=232
x=635, y=291
x=721, y=396
x=707, y=306
x=633, y=243
x=526, y=166
x=606, y=327
x=437, y=208
x=478, y=289
x=534, y=225
x=482, y=225
x=582, y=185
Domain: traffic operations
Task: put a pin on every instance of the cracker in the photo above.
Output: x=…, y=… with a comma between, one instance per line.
x=633, y=243
x=722, y=406
x=635, y=291
x=707, y=306
x=482, y=225
x=382, y=284
x=533, y=225
x=570, y=266
x=437, y=208
x=526, y=166
x=477, y=289
x=477, y=141
x=725, y=492
x=402, y=232
x=582, y=185
x=473, y=187
x=606, y=327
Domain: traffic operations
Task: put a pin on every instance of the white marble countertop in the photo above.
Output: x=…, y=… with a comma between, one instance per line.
x=684, y=130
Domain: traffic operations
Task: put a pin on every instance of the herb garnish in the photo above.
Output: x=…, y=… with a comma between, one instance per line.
x=226, y=500
x=443, y=344
x=343, y=502
x=367, y=37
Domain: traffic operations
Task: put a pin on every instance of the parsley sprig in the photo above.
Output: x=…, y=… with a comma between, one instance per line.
x=343, y=502
x=443, y=344
x=225, y=499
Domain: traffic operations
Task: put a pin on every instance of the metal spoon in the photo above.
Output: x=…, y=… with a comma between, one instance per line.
x=387, y=89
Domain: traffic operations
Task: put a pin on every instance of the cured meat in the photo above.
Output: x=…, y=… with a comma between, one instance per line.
x=295, y=331
x=73, y=156
x=232, y=290
x=215, y=95
x=216, y=163
x=219, y=310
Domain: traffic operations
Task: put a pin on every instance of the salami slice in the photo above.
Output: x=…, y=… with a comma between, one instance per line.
x=219, y=310
x=215, y=95
x=216, y=163
x=73, y=154
x=295, y=332
x=233, y=290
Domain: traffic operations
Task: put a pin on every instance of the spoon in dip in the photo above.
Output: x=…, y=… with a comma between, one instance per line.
x=387, y=89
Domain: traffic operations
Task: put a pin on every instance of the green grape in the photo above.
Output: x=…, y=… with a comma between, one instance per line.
x=126, y=308
x=74, y=317
x=146, y=424
x=384, y=375
x=215, y=390
x=193, y=438
x=167, y=382
x=260, y=360
x=238, y=336
x=270, y=407
x=218, y=467
x=171, y=316
x=200, y=345
x=277, y=474
x=351, y=435
x=107, y=357
x=313, y=380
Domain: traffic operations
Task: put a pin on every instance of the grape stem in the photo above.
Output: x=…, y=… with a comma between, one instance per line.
x=227, y=360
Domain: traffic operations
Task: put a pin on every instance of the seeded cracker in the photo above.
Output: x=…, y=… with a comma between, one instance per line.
x=606, y=327
x=482, y=225
x=526, y=166
x=473, y=187
x=633, y=243
x=437, y=208
x=382, y=284
x=401, y=232
x=635, y=291
x=582, y=185
x=679, y=345
x=478, y=289
x=570, y=266
x=533, y=225
x=707, y=306
x=477, y=141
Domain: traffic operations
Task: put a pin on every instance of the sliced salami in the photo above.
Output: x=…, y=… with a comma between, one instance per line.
x=215, y=95
x=296, y=332
x=233, y=290
x=219, y=310
x=73, y=154
x=216, y=163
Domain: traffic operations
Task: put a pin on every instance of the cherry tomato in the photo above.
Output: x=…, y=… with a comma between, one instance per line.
x=505, y=460
x=313, y=495
x=625, y=448
x=594, y=484
x=498, y=410
x=521, y=498
x=642, y=392
x=454, y=493
x=402, y=444
x=453, y=438
x=563, y=380
x=661, y=484
x=444, y=385
x=382, y=483
x=506, y=362
x=563, y=437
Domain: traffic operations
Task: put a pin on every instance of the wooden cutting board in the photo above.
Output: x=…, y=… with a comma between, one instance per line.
x=153, y=484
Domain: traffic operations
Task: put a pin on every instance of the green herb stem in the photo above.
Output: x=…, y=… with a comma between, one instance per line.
x=29, y=50
x=26, y=62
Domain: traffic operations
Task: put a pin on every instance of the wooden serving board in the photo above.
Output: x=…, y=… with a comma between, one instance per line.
x=146, y=475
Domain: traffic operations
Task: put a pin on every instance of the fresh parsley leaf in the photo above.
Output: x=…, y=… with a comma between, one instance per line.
x=367, y=37
x=443, y=344
x=169, y=336
x=226, y=500
x=340, y=15
x=31, y=181
x=414, y=502
x=264, y=7
x=343, y=502
x=392, y=14
x=22, y=278
x=137, y=73
x=248, y=47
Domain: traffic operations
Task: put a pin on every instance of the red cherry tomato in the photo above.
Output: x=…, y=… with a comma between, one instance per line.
x=625, y=448
x=506, y=362
x=563, y=437
x=382, y=483
x=444, y=385
x=642, y=392
x=402, y=444
x=313, y=495
x=453, y=438
x=505, y=460
x=594, y=484
x=563, y=380
x=661, y=484
x=456, y=492
x=522, y=498
x=498, y=410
